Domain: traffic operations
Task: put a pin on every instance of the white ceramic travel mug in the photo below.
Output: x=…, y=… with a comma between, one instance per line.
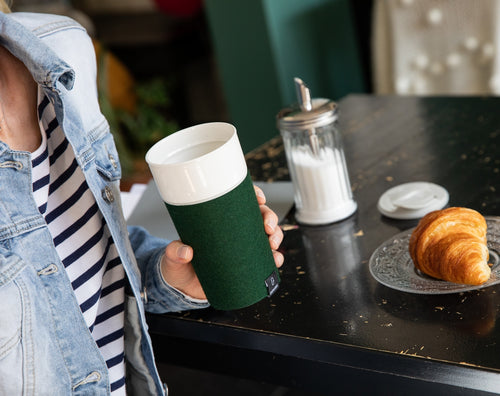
x=202, y=177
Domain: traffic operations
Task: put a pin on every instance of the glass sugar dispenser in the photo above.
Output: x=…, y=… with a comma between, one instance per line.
x=316, y=161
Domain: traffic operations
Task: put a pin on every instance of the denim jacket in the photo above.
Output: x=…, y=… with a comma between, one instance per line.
x=45, y=345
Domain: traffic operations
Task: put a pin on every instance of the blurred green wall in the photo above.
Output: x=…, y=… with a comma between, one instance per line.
x=261, y=45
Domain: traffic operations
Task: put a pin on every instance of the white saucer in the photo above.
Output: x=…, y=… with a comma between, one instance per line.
x=412, y=200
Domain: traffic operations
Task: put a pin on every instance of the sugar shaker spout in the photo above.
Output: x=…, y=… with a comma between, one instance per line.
x=303, y=95
x=305, y=103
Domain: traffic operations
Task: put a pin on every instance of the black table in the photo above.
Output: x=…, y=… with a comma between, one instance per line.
x=331, y=327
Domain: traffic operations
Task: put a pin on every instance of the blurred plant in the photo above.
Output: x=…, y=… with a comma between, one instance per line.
x=137, y=112
x=149, y=123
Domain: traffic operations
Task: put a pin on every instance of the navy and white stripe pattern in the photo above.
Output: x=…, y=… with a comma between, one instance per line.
x=82, y=241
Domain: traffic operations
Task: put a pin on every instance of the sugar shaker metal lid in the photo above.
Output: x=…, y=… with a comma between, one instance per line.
x=307, y=113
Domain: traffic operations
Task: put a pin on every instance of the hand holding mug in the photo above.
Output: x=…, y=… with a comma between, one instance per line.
x=178, y=271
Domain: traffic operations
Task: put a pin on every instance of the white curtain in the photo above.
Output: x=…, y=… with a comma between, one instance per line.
x=433, y=47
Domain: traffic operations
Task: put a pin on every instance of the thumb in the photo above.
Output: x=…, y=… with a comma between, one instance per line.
x=178, y=254
x=178, y=271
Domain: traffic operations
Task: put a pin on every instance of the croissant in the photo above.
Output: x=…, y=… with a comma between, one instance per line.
x=450, y=244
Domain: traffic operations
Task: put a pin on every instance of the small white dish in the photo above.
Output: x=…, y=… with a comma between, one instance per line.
x=412, y=200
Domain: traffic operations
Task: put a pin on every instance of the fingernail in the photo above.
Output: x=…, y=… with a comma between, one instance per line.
x=182, y=252
x=274, y=242
x=271, y=225
x=260, y=193
x=279, y=258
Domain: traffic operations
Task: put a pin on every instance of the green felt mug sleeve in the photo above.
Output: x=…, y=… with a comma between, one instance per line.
x=232, y=256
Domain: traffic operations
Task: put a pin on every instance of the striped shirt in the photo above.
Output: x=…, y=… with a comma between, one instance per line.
x=82, y=241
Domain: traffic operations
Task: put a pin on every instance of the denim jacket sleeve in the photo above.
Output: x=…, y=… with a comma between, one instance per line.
x=161, y=297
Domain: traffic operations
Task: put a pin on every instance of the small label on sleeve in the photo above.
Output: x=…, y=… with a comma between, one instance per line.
x=272, y=283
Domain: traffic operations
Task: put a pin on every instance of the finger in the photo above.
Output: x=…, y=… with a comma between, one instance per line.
x=276, y=238
x=270, y=219
x=278, y=258
x=261, y=198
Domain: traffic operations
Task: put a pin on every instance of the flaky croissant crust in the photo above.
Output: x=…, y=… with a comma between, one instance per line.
x=450, y=244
